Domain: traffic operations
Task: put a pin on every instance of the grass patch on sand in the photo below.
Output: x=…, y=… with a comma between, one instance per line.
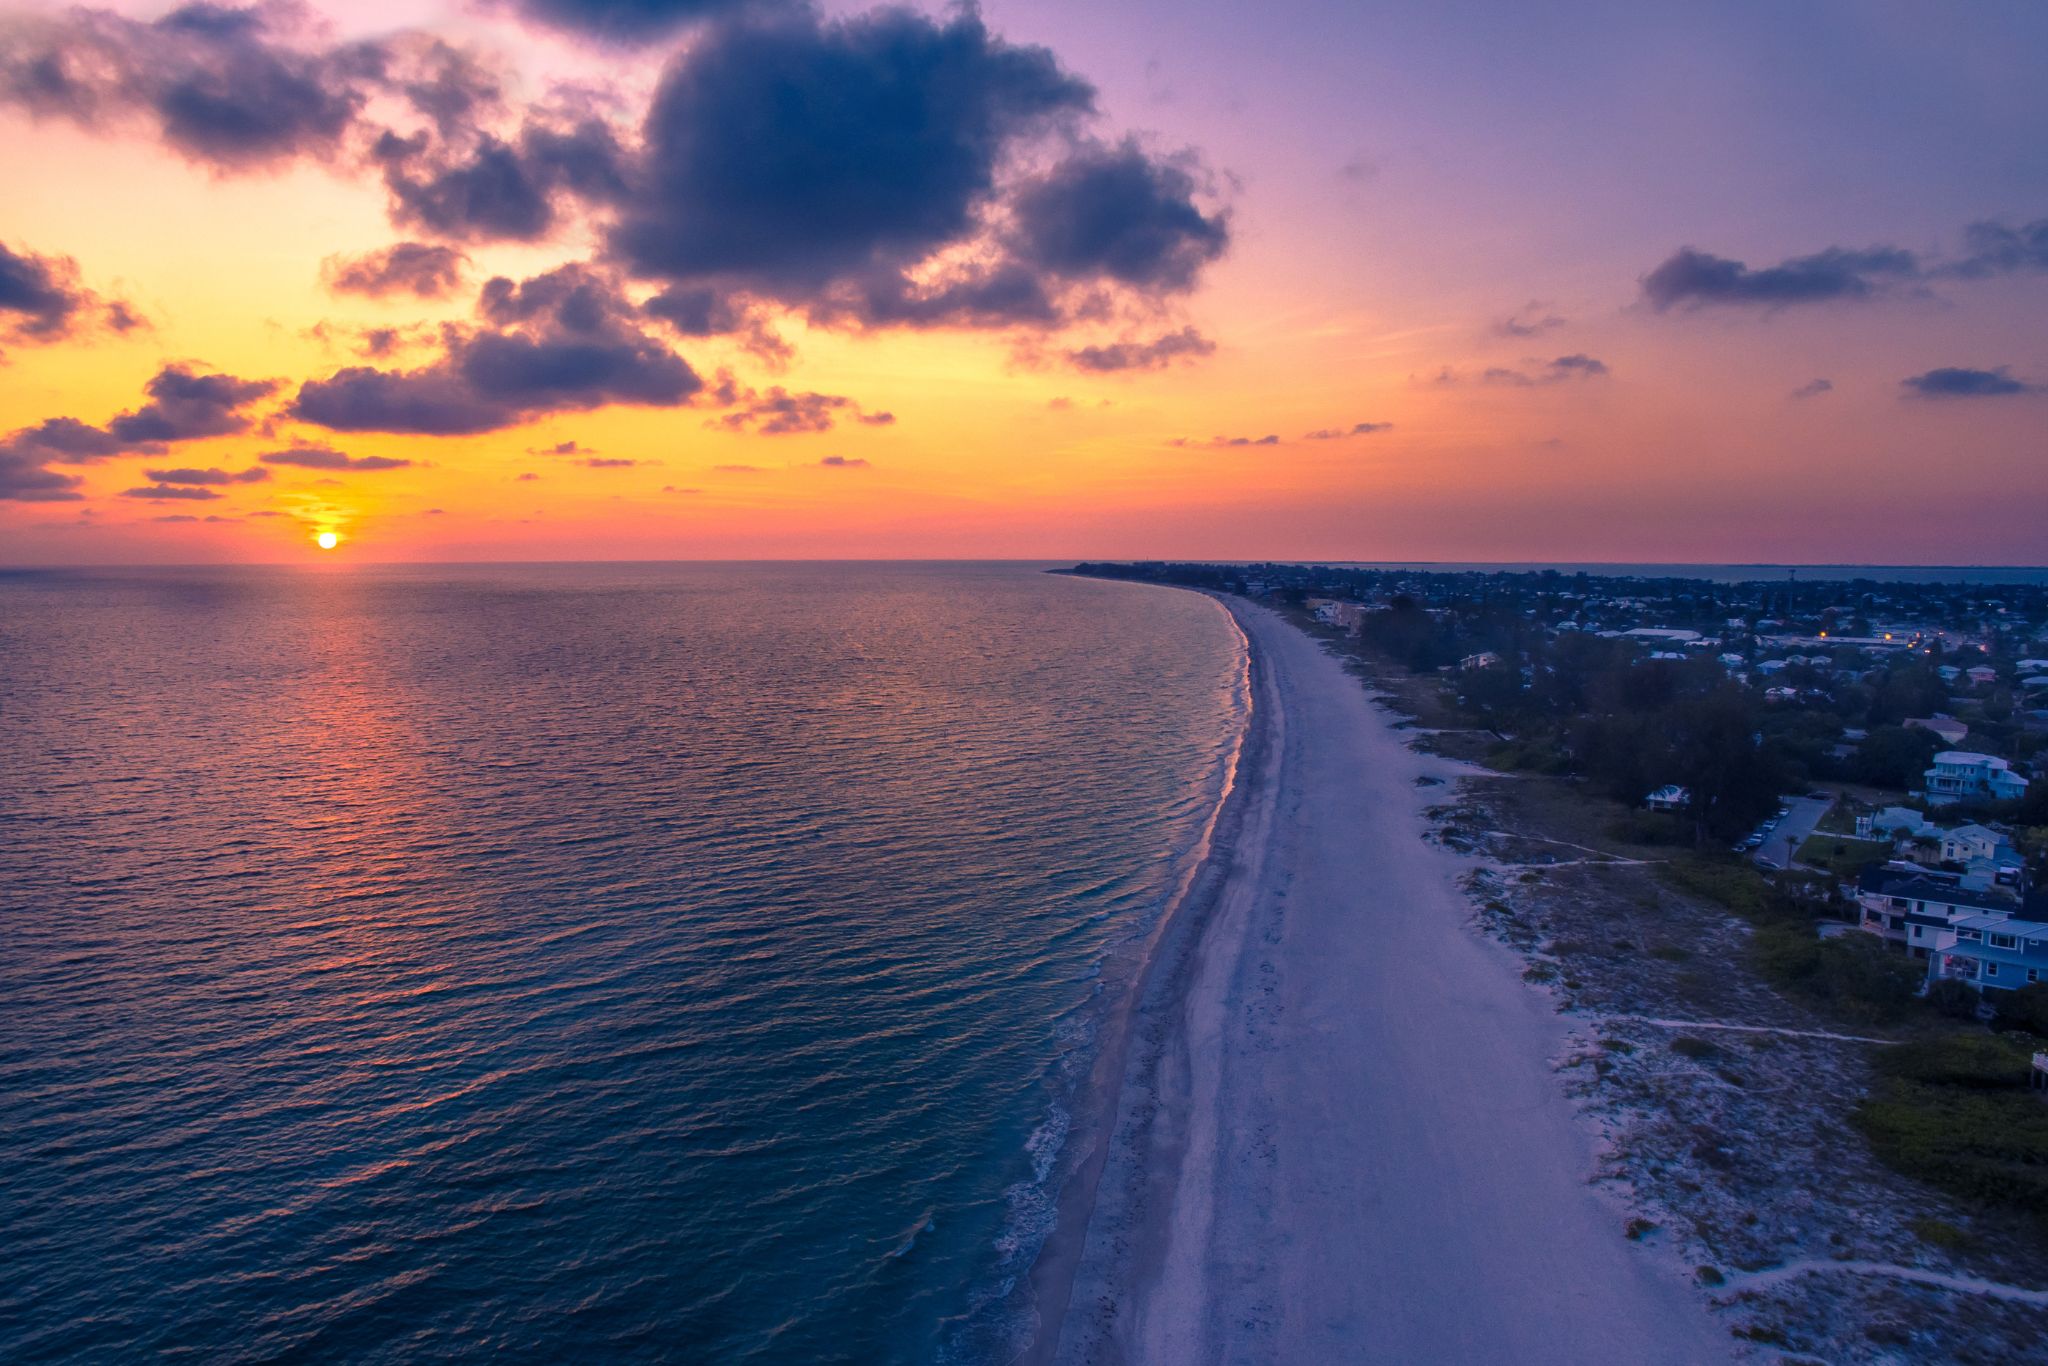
x=1841, y=855
x=1955, y=1112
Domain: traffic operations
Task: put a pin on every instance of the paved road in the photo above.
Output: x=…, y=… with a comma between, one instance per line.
x=1804, y=815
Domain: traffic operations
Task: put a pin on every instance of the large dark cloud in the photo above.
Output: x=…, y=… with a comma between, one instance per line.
x=185, y=406
x=630, y=21
x=560, y=342
x=490, y=189
x=218, y=85
x=41, y=299
x=788, y=155
x=1695, y=278
x=1157, y=354
x=1953, y=381
x=246, y=90
x=1115, y=212
x=420, y=269
x=897, y=170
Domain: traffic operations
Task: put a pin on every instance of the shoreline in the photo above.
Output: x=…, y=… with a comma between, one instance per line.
x=1335, y=1111
x=1097, y=1106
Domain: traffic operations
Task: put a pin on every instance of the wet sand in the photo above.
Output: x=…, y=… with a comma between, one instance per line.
x=1336, y=1135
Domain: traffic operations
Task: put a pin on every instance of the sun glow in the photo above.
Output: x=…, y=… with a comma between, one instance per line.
x=327, y=540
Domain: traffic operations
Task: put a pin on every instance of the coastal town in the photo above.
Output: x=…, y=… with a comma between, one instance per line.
x=1804, y=813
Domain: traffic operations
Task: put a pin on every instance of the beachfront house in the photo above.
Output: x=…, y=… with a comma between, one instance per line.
x=1910, y=908
x=1960, y=775
x=1984, y=852
x=1895, y=822
x=1670, y=797
x=1948, y=728
x=1991, y=953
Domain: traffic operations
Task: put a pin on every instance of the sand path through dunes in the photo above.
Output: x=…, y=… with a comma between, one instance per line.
x=1350, y=1145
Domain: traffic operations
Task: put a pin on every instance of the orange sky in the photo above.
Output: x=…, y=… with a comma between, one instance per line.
x=1373, y=253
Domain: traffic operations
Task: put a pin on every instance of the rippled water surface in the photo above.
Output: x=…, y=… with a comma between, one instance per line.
x=565, y=962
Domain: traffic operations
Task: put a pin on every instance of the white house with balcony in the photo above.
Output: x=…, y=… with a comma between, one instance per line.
x=1912, y=908
x=1960, y=775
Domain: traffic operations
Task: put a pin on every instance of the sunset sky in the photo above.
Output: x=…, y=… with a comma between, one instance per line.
x=626, y=279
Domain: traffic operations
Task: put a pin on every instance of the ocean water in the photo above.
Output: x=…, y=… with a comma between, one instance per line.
x=660, y=962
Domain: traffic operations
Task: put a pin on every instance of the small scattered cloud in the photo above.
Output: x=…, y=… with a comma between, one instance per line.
x=526, y=478
x=1157, y=354
x=1060, y=404
x=1532, y=319
x=420, y=269
x=671, y=488
x=1359, y=170
x=843, y=462
x=255, y=474
x=561, y=448
x=1557, y=371
x=1691, y=279
x=1951, y=381
x=165, y=493
x=598, y=462
x=737, y=469
x=1269, y=439
x=327, y=458
x=1355, y=429
x=782, y=413
x=1814, y=388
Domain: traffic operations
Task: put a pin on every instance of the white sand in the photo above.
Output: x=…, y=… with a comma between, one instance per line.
x=1338, y=1136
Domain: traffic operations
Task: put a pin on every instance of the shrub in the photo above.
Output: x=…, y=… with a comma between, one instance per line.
x=1939, y=1233
x=2026, y=1008
x=1687, y=1046
x=1860, y=977
x=1978, y=1061
x=1955, y=999
x=1987, y=1145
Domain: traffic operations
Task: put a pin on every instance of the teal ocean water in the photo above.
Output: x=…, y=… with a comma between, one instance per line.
x=568, y=962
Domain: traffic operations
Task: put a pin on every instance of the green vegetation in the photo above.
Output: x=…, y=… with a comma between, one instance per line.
x=1853, y=975
x=2026, y=1009
x=1956, y=1112
x=1939, y=1233
x=1688, y=1046
x=1953, y=999
x=1841, y=855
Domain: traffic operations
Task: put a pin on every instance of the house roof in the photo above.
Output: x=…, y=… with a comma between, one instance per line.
x=1916, y=886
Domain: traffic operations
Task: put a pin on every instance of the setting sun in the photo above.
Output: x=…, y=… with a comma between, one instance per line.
x=327, y=540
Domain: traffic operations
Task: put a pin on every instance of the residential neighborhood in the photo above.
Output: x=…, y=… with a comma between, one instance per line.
x=1881, y=736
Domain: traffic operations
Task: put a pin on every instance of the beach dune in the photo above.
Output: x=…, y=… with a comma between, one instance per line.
x=1338, y=1135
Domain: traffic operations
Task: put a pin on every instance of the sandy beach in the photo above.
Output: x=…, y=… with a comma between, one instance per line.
x=1336, y=1134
